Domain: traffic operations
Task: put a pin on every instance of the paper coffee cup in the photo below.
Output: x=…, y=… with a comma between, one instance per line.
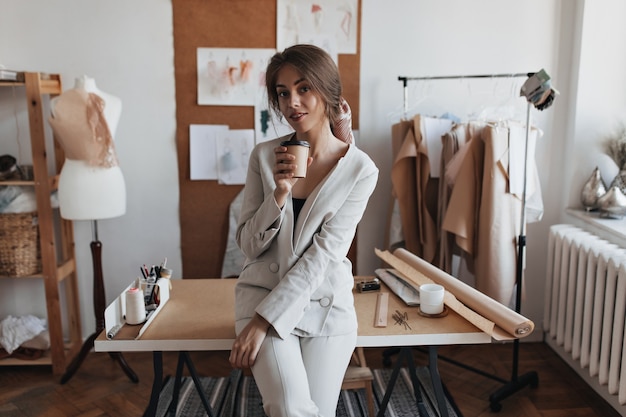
x=300, y=149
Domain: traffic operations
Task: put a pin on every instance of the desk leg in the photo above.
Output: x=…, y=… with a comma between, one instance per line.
x=196, y=381
x=390, y=385
x=405, y=355
x=417, y=388
x=435, y=378
x=157, y=382
x=177, y=382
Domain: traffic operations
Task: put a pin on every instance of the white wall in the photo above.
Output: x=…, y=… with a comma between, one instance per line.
x=601, y=90
x=128, y=48
x=598, y=103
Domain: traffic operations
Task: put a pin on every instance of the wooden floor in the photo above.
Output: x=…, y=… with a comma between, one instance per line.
x=100, y=388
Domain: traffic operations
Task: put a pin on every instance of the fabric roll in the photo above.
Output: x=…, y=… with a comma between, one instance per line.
x=508, y=323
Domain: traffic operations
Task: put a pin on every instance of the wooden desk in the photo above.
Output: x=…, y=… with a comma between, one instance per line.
x=199, y=316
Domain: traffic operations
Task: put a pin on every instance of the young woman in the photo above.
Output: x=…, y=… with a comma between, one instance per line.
x=295, y=319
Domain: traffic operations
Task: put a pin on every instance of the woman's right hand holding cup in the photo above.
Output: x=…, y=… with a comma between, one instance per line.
x=284, y=169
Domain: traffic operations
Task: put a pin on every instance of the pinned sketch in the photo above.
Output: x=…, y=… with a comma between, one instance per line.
x=231, y=76
x=267, y=124
x=233, y=152
x=203, y=151
x=297, y=20
x=324, y=41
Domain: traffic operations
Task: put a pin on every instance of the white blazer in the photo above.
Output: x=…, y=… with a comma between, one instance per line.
x=297, y=276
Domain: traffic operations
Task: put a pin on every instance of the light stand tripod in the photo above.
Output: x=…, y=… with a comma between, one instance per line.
x=531, y=378
x=539, y=93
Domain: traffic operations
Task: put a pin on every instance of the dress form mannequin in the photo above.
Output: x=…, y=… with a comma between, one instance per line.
x=91, y=184
x=90, y=190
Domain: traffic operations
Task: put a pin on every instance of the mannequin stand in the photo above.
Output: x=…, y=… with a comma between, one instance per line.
x=98, y=309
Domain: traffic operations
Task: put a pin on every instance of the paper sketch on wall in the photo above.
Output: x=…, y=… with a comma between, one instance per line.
x=203, y=151
x=233, y=151
x=324, y=41
x=231, y=76
x=267, y=124
x=299, y=20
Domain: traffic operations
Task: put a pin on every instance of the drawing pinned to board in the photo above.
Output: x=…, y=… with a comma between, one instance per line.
x=297, y=20
x=267, y=124
x=203, y=151
x=233, y=151
x=231, y=76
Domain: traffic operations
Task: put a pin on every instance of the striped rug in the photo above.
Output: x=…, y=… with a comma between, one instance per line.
x=238, y=396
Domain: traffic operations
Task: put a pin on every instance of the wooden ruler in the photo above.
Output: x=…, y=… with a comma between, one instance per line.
x=382, y=303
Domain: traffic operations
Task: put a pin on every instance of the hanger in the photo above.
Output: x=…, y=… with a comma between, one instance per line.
x=501, y=103
x=491, y=77
x=420, y=98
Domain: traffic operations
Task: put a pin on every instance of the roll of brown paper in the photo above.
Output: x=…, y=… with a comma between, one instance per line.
x=511, y=322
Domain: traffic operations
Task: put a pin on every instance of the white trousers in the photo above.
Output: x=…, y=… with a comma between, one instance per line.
x=302, y=376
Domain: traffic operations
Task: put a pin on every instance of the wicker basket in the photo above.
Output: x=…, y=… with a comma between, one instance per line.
x=19, y=244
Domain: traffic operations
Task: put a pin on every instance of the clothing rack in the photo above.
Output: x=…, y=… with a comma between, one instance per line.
x=517, y=382
x=405, y=81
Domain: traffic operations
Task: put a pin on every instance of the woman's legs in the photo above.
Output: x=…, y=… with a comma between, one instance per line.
x=326, y=360
x=281, y=377
x=301, y=377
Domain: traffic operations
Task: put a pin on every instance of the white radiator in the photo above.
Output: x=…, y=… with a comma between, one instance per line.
x=585, y=306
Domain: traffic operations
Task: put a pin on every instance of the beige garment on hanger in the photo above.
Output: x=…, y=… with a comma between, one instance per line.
x=458, y=138
x=394, y=236
x=81, y=128
x=484, y=216
x=416, y=191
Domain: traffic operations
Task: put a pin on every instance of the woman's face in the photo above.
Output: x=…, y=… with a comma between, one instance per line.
x=302, y=107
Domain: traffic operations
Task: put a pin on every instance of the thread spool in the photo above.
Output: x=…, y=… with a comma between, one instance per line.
x=135, y=307
x=167, y=274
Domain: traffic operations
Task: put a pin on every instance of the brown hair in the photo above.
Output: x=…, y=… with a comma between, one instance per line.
x=317, y=67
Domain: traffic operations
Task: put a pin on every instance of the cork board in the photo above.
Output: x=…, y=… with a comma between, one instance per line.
x=204, y=205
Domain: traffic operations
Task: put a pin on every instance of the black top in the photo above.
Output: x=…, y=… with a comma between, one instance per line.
x=297, y=206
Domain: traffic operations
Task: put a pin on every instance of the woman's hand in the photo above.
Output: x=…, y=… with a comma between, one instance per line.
x=284, y=169
x=247, y=344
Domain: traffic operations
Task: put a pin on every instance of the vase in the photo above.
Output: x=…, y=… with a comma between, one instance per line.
x=593, y=189
x=620, y=181
x=612, y=204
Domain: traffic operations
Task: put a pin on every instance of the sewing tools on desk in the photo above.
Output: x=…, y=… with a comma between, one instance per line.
x=114, y=330
x=401, y=319
x=148, y=279
x=119, y=315
x=382, y=305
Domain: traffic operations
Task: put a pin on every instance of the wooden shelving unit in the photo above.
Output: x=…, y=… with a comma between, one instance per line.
x=57, y=257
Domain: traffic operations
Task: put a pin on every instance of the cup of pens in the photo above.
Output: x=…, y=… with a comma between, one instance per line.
x=149, y=282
